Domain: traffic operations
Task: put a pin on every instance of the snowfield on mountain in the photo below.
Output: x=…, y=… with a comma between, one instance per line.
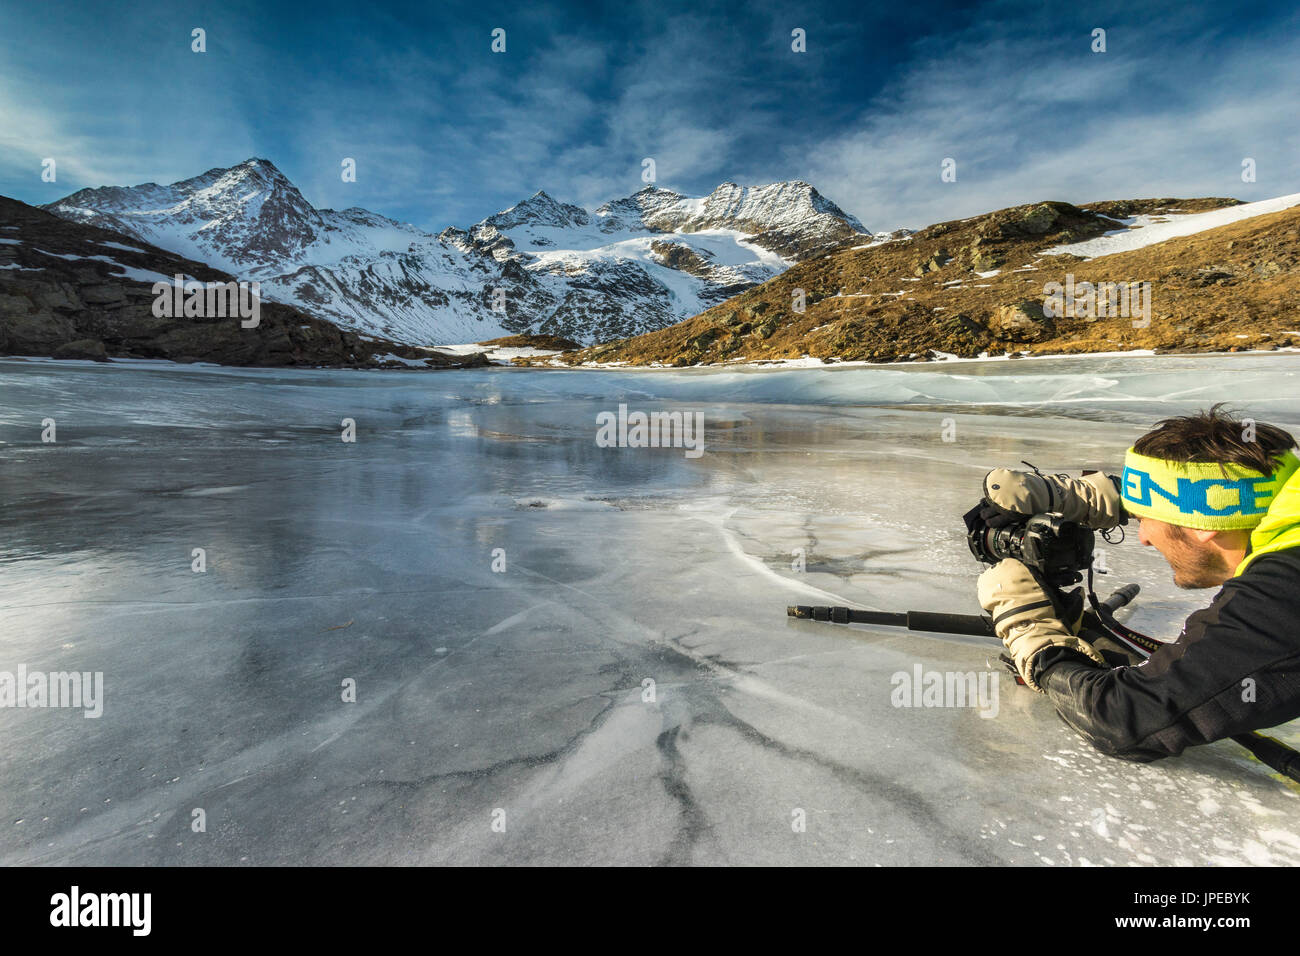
x=1147, y=230
x=636, y=264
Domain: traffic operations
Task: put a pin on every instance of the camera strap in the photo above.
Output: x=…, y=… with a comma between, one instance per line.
x=1136, y=640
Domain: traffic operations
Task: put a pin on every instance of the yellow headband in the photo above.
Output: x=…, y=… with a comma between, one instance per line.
x=1201, y=494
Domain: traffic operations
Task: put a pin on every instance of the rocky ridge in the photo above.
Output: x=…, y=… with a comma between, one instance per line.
x=978, y=287
x=79, y=291
x=542, y=266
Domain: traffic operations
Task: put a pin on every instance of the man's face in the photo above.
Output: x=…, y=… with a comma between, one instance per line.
x=1196, y=564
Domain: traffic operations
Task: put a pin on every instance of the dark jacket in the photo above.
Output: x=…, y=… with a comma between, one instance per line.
x=1234, y=668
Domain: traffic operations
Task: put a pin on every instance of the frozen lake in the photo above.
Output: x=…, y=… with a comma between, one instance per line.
x=505, y=715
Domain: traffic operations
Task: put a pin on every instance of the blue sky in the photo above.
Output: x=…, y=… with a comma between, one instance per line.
x=445, y=132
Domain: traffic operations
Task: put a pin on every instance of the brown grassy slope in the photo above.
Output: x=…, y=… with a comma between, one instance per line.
x=1225, y=289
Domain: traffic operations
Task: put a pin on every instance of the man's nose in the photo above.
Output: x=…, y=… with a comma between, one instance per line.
x=1143, y=538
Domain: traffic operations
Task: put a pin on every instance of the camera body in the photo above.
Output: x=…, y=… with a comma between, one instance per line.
x=1057, y=549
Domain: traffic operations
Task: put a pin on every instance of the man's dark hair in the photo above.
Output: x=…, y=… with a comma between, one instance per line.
x=1216, y=435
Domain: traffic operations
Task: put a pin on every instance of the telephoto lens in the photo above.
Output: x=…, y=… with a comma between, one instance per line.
x=1057, y=549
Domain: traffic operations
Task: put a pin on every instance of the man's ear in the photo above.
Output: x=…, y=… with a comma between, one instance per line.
x=1227, y=540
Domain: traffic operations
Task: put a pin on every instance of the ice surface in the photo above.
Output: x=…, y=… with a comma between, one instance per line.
x=522, y=691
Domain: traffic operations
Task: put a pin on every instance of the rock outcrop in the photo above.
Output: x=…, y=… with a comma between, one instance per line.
x=542, y=266
x=980, y=286
x=76, y=291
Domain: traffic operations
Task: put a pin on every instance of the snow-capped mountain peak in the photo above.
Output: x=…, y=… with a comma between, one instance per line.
x=539, y=209
x=248, y=214
x=636, y=264
x=791, y=218
x=791, y=205
x=633, y=212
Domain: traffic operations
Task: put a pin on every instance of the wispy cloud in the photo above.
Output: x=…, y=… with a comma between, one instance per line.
x=1031, y=115
x=446, y=132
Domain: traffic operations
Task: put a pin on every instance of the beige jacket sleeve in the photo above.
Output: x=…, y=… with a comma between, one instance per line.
x=1024, y=618
x=1092, y=501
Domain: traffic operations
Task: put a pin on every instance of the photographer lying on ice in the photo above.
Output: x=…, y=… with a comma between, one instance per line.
x=1223, y=511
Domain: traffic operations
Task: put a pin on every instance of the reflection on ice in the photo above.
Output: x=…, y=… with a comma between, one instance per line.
x=591, y=639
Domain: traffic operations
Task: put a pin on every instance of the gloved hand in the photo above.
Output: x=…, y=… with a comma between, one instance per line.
x=1093, y=501
x=1025, y=618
